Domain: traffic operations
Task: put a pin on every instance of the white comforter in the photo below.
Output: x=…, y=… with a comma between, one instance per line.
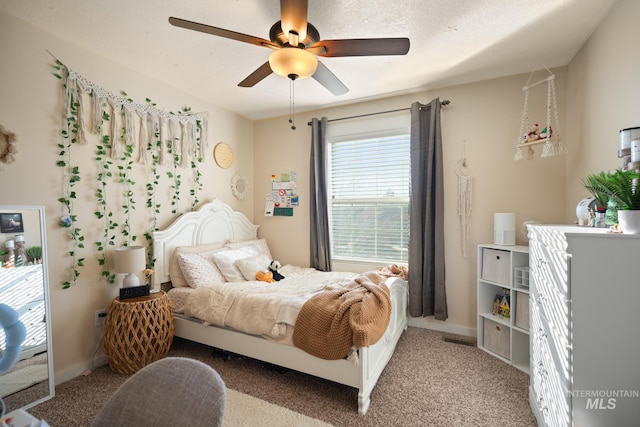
x=260, y=308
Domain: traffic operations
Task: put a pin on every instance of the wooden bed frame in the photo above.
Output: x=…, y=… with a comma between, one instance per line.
x=216, y=222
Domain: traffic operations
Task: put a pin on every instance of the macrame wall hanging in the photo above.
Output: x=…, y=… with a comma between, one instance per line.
x=535, y=134
x=141, y=122
x=464, y=199
x=127, y=132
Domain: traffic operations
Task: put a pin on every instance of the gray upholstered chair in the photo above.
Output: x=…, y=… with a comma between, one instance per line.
x=173, y=391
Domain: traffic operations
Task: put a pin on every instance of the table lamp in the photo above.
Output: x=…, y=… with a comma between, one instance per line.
x=130, y=260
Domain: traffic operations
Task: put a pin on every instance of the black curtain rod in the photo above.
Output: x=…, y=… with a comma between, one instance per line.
x=442, y=104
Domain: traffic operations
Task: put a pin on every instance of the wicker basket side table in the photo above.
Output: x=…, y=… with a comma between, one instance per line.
x=138, y=331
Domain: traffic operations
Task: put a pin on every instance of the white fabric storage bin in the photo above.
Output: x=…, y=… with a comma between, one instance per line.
x=522, y=310
x=497, y=338
x=496, y=266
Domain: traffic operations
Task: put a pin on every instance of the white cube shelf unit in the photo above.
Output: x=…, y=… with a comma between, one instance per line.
x=504, y=269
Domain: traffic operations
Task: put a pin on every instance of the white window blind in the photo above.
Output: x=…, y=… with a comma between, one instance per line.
x=369, y=198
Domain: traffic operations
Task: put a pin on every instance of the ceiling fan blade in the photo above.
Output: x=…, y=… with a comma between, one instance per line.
x=293, y=15
x=364, y=47
x=326, y=78
x=257, y=76
x=221, y=32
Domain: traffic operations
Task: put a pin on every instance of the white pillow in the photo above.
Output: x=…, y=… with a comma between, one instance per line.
x=216, y=274
x=249, y=267
x=261, y=244
x=177, y=278
x=226, y=259
x=197, y=271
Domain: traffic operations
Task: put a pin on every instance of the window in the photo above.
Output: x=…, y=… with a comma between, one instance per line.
x=369, y=198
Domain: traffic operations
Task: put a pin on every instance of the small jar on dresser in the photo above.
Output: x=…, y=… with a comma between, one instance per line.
x=585, y=326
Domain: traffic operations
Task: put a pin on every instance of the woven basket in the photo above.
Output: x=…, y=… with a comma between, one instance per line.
x=138, y=331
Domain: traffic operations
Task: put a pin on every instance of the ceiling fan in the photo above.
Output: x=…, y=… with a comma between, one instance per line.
x=296, y=44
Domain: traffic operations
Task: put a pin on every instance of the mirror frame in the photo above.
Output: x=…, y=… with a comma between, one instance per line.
x=237, y=181
x=47, y=299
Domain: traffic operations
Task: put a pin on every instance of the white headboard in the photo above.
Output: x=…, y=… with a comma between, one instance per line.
x=213, y=222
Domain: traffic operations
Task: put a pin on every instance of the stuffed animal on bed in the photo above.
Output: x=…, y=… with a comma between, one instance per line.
x=265, y=276
x=273, y=268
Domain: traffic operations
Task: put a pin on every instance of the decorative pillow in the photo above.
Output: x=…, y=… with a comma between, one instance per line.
x=208, y=255
x=249, y=267
x=177, y=278
x=226, y=259
x=197, y=271
x=261, y=244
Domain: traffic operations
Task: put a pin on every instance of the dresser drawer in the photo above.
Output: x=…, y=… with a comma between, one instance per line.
x=549, y=352
x=549, y=382
x=32, y=316
x=554, y=309
x=554, y=408
x=497, y=338
x=550, y=266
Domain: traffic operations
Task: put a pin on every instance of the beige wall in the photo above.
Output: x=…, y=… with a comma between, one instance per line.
x=30, y=107
x=603, y=97
x=487, y=116
x=598, y=94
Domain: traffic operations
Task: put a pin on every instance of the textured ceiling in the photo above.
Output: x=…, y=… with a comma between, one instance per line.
x=452, y=42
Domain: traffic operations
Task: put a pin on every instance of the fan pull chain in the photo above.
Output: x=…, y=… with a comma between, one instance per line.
x=292, y=104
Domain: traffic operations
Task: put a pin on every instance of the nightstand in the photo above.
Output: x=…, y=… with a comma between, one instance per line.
x=138, y=331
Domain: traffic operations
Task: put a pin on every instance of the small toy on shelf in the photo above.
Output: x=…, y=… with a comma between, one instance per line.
x=533, y=134
x=496, y=305
x=546, y=133
x=505, y=309
x=501, y=304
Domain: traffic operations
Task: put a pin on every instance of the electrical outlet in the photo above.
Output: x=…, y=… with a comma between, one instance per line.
x=101, y=315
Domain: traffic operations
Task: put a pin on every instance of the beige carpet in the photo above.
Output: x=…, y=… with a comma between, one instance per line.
x=243, y=410
x=22, y=378
x=430, y=381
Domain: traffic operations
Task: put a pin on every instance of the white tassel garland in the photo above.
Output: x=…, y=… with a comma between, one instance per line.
x=155, y=124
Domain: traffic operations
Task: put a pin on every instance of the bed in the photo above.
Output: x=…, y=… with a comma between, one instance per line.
x=216, y=222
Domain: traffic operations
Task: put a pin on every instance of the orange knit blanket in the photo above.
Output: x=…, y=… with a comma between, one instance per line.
x=338, y=318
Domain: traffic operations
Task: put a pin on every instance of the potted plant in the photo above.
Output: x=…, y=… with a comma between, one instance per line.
x=34, y=253
x=594, y=183
x=619, y=188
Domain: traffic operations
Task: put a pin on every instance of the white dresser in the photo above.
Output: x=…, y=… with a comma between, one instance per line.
x=585, y=326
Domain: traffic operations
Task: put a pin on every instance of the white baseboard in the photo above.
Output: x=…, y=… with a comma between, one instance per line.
x=438, y=325
x=77, y=370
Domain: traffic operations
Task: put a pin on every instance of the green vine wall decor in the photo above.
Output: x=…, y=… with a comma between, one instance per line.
x=121, y=125
x=69, y=136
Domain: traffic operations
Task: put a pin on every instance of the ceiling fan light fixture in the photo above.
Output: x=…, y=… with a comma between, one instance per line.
x=293, y=61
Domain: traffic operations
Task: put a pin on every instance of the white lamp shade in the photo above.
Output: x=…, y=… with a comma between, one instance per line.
x=293, y=60
x=130, y=259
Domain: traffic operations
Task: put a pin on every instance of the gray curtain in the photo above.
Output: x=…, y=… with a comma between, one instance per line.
x=319, y=214
x=427, y=295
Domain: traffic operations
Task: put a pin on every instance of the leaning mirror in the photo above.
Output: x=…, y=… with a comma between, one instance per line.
x=26, y=372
